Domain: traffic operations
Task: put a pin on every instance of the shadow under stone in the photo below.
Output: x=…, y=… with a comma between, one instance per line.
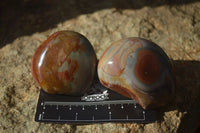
x=187, y=97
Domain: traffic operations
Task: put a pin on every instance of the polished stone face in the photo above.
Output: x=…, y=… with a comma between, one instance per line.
x=64, y=64
x=138, y=69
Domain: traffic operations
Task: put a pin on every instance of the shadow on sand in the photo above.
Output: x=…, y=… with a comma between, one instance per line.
x=25, y=17
x=187, y=96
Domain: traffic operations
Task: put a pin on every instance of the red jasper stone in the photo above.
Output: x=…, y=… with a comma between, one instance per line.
x=64, y=64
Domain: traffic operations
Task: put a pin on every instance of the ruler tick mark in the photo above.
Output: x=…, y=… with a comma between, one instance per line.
x=95, y=107
x=108, y=106
x=40, y=116
x=76, y=116
x=143, y=114
x=110, y=115
x=70, y=108
x=122, y=106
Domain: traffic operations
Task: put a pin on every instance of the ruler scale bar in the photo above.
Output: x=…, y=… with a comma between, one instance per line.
x=108, y=120
x=111, y=108
x=89, y=103
x=93, y=118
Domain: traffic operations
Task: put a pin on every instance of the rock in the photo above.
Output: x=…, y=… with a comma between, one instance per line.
x=173, y=26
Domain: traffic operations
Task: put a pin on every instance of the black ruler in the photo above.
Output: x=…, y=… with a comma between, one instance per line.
x=103, y=105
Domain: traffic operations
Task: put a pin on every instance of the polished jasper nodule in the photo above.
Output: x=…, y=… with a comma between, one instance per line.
x=138, y=69
x=64, y=64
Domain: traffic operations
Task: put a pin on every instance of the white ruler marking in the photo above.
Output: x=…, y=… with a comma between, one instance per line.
x=110, y=115
x=76, y=116
x=108, y=106
x=40, y=116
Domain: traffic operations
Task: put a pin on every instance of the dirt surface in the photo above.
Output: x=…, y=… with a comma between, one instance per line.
x=24, y=25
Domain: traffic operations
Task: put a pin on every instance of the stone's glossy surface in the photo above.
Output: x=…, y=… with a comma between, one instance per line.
x=138, y=69
x=65, y=64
